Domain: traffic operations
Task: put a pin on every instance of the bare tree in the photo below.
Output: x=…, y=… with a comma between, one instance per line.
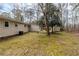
x=29, y=14
x=17, y=12
x=44, y=8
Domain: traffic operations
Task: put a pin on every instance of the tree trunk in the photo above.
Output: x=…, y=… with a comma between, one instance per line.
x=48, y=33
x=45, y=16
x=47, y=26
x=52, y=30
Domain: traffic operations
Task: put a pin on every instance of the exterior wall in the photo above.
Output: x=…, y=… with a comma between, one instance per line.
x=56, y=28
x=35, y=28
x=11, y=30
x=22, y=28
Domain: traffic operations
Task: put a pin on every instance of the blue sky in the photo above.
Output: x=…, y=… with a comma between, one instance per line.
x=5, y=7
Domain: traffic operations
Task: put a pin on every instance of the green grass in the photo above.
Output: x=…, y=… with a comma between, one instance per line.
x=60, y=44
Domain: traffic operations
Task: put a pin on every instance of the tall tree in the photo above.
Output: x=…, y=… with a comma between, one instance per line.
x=44, y=8
x=17, y=12
x=50, y=12
x=29, y=14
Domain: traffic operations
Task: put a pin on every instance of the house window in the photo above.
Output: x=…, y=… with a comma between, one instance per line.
x=6, y=24
x=16, y=25
x=25, y=25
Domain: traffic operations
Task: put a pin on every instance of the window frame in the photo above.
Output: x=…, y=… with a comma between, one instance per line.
x=6, y=24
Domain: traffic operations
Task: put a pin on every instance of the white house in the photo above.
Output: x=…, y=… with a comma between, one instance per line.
x=35, y=28
x=9, y=27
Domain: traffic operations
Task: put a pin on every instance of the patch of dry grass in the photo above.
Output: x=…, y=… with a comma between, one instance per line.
x=61, y=43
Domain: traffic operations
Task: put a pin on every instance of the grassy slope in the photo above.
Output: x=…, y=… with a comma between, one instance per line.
x=39, y=44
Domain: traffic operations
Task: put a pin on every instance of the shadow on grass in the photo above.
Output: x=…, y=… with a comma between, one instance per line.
x=10, y=37
x=42, y=34
x=56, y=33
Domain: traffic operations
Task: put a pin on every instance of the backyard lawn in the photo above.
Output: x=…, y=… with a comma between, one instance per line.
x=38, y=44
